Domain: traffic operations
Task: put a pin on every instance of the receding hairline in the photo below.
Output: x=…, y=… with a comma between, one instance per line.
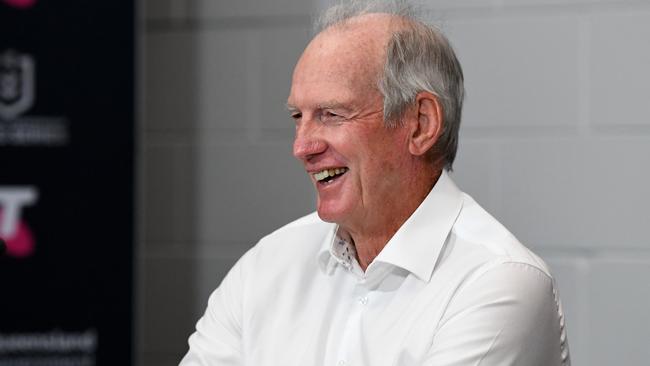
x=378, y=29
x=344, y=10
x=394, y=22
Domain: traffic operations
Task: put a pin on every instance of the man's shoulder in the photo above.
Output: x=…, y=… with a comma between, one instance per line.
x=305, y=234
x=485, y=235
x=288, y=251
x=309, y=224
x=309, y=220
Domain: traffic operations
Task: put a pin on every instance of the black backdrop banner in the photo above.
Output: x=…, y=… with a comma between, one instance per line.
x=66, y=182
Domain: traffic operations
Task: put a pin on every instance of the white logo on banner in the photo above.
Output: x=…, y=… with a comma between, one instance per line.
x=12, y=201
x=17, y=85
x=17, y=96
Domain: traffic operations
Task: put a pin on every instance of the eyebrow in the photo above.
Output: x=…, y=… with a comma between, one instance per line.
x=291, y=107
x=333, y=104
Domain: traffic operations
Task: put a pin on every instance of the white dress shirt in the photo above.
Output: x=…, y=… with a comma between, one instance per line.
x=452, y=287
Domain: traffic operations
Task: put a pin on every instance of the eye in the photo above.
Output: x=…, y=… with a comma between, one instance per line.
x=329, y=116
x=296, y=115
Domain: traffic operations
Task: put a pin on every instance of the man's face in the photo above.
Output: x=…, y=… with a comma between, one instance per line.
x=340, y=130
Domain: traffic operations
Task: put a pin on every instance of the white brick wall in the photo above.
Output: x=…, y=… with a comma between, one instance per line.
x=215, y=152
x=620, y=69
x=555, y=143
x=520, y=79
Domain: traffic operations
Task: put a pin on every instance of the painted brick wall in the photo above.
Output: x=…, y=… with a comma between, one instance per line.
x=555, y=143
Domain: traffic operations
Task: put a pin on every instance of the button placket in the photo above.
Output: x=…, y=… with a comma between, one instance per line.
x=363, y=300
x=362, y=292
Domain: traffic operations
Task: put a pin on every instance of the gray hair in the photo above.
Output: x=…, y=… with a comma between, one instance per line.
x=418, y=58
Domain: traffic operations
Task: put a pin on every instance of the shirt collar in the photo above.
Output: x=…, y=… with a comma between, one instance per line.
x=417, y=244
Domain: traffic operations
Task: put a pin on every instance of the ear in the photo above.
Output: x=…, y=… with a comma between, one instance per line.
x=426, y=127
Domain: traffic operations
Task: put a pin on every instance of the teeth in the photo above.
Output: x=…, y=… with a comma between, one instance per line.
x=329, y=173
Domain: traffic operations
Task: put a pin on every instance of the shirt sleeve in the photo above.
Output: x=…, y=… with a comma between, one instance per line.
x=218, y=336
x=510, y=315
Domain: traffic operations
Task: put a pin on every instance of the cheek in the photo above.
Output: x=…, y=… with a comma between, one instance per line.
x=391, y=156
x=375, y=152
x=390, y=148
x=381, y=166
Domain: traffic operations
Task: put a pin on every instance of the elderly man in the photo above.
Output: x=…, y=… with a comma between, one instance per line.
x=398, y=266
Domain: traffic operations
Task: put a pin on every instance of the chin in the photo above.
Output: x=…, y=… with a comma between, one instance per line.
x=327, y=216
x=330, y=214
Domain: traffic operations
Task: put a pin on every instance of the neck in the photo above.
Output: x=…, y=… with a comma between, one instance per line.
x=371, y=236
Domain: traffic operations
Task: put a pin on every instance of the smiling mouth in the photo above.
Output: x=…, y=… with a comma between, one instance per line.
x=327, y=176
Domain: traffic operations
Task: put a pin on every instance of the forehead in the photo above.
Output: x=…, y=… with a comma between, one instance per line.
x=345, y=61
x=332, y=65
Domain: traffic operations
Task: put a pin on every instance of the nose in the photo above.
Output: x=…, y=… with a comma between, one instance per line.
x=307, y=143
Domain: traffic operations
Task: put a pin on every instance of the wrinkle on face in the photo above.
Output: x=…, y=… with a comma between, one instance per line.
x=339, y=71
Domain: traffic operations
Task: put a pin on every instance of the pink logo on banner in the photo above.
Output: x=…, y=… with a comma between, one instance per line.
x=21, y=4
x=13, y=229
x=21, y=243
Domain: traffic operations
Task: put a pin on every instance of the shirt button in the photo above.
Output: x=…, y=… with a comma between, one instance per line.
x=363, y=300
x=342, y=363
